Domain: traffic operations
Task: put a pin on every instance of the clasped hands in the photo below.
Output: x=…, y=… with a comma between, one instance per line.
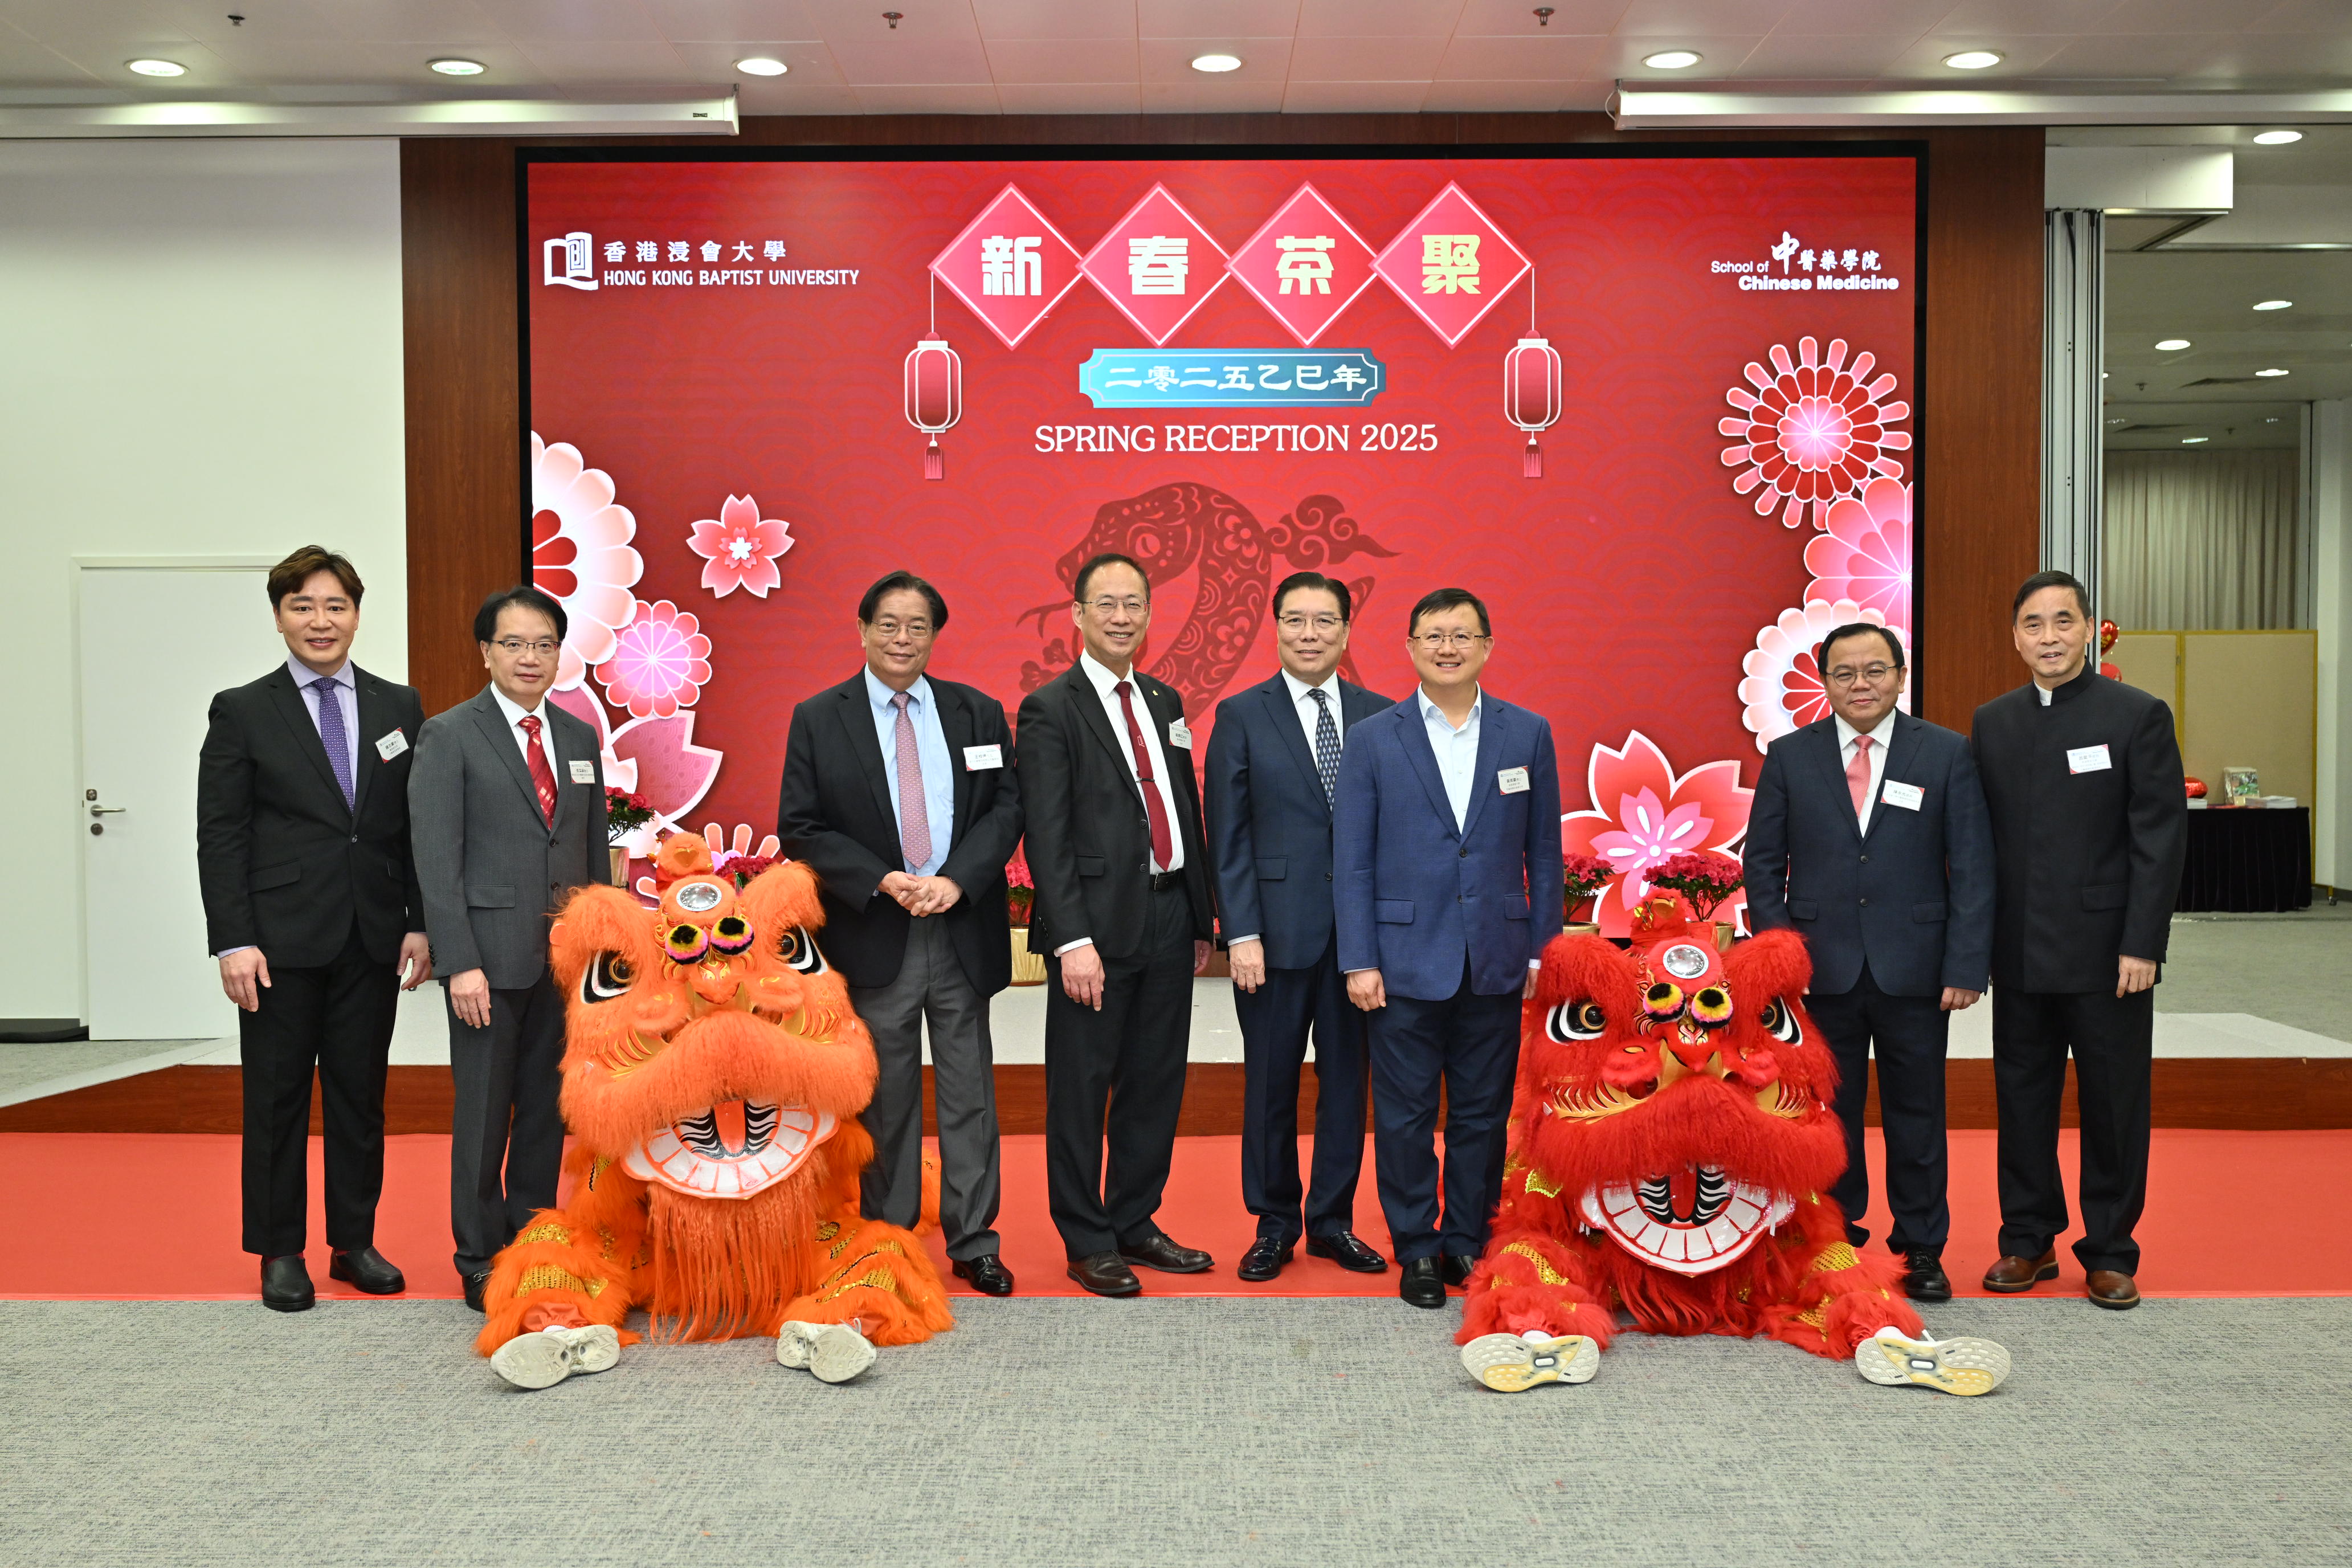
x=921, y=895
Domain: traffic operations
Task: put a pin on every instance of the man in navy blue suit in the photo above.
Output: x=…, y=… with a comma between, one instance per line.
x=1446, y=849
x=1273, y=766
x=1869, y=835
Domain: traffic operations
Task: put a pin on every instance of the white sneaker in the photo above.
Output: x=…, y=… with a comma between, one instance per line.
x=1962, y=1366
x=546, y=1358
x=835, y=1353
x=1509, y=1364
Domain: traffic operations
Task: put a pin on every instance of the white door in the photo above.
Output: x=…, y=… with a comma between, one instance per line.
x=156, y=643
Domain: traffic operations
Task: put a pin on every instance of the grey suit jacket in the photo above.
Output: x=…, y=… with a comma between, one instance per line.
x=491, y=868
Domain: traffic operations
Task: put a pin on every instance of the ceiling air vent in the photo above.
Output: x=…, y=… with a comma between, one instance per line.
x=2220, y=380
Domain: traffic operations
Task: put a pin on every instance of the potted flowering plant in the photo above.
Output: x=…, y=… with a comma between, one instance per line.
x=623, y=814
x=1705, y=880
x=742, y=869
x=1020, y=898
x=1583, y=877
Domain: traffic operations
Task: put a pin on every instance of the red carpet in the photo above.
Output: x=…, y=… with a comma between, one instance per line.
x=154, y=1217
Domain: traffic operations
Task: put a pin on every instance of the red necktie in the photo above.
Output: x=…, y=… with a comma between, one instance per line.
x=541, y=775
x=1161, y=852
x=1857, y=776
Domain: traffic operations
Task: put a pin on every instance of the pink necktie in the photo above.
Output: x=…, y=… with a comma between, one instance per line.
x=1857, y=776
x=914, y=810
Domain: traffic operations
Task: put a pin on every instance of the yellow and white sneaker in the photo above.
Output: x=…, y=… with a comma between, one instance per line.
x=1510, y=1363
x=546, y=1358
x=835, y=1353
x=1962, y=1366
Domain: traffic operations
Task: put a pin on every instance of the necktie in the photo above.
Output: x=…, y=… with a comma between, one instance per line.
x=1857, y=776
x=541, y=775
x=331, y=736
x=914, y=809
x=1327, y=745
x=1153, y=808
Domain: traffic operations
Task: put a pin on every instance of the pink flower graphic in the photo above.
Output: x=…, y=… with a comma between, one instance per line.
x=579, y=553
x=659, y=663
x=1644, y=815
x=1866, y=555
x=1783, y=691
x=740, y=549
x=1813, y=430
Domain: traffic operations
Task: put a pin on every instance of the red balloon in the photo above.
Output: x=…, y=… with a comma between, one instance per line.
x=2108, y=632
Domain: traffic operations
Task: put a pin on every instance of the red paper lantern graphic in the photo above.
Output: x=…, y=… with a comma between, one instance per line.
x=934, y=397
x=1531, y=394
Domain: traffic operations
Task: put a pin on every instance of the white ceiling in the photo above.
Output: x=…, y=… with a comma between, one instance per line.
x=989, y=57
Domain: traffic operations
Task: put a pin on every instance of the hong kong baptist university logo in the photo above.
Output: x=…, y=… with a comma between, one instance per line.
x=1156, y=265
x=1305, y=264
x=1009, y=266
x=1450, y=264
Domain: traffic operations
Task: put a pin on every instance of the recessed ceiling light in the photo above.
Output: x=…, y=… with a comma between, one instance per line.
x=2275, y=305
x=157, y=68
x=2273, y=372
x=1972, y=59
x=456, y=66
x=2276, y=138
x=2194, y=440
x=2272, y=420
x=1216, y=63
x=761, y=65
x=1671, y=60
x=2168, y=344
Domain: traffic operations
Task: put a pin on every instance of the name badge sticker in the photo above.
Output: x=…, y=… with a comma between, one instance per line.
x=976, y=758
x=583, y=772
x=1910, y=797
x=392, y=745
x=1513, y=780
x=2088, y=760
x=1179, y=734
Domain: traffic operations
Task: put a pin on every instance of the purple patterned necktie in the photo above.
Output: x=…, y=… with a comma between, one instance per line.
x=331, y=735
x=914, y=812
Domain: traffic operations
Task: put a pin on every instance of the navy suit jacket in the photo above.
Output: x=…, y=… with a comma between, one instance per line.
x=1912, y=897
x=1269, y=824
x=1416, y=897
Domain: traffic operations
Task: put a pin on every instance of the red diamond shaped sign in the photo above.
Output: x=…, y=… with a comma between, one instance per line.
x=1156, y=265
x=1008, y=265
x=1450, y=264
x=1306, y=265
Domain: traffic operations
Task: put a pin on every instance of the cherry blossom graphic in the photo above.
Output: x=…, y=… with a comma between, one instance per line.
x=620, y=772
x=1814, y=429
x=1642, y=816
x=1783, y=691
x=724, y=848
x=1865, y=554
x=580, y=554
x=660, y=662
x=740, y=549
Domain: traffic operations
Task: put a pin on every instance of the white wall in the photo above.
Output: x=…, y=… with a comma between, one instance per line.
x=2331, y=526
x=200, y=353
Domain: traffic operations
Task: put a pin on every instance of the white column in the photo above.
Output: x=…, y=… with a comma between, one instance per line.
x=2074, y=346
x=2330, y=521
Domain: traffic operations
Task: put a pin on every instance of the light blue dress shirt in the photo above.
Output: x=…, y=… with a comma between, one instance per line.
x=931, y=755
x=347, y=697
x=1457, y=752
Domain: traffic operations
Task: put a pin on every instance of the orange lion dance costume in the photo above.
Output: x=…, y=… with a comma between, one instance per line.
x=1671, y=1142
x=712, y=1076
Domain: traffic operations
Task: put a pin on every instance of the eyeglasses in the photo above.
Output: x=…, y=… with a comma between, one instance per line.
x=1438, y=642
x=888, y=630
x=515, y=648
x=1294, y=622
x=1870, y=673
x=1107, y=608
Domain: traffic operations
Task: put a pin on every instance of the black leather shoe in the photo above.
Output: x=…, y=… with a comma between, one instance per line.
x=987, y=1274
x=1159, y=1252
x=1105, y=1274
x=1343, y=1248
x=1422, y=1285
x=1264, y=1260
x=1457, y=1268
x=364, y=1268
x=1923, y=1276
x=286, y=1285
x=476, y=1284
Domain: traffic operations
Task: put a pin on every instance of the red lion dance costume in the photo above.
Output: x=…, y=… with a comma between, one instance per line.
x=712, y=1076
x=1671, y=1142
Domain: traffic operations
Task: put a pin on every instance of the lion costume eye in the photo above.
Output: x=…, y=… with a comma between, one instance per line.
x=1576, y=1021
x=1779, y=1021
x=730, y=935
x=606, y=978
x=796, y=948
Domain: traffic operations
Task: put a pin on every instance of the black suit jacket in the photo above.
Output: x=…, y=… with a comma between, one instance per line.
x=2088, y=864
x=283, y=864
x=1912, y=897
x=1089, y=840
x=834, y=813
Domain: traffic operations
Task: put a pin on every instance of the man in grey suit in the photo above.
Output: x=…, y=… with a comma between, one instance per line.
x=507, y=795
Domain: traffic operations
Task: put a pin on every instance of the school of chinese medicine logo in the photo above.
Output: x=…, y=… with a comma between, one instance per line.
x=1009, y=266
x=1305, y=264
x=1157, y=265
x=1450, y=264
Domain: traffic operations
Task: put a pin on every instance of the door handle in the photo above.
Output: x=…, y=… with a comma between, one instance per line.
x=107, y=810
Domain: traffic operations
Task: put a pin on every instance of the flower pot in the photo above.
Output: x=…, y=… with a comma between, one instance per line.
x=1028, y=968
x=1725, y=934
x=1582, y=928
x=620, y=859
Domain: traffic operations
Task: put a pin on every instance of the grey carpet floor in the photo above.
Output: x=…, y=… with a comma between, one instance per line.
x=2288, y=968
x=1167, y=1432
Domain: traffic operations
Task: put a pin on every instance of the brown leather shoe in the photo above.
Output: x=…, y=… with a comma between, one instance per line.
x=1104, y=1274
x=2012, y=1275
x=2112, y=1289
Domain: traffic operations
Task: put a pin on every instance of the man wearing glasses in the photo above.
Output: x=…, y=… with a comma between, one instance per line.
x=1868, y=835
x=508, y=798
x=898, y=791
x=1446, y=852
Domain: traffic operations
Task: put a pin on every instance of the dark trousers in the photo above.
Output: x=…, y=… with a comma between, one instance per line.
x=1471, y=1043
x=337, y=1018
x=1275, y=1020
x=2112, y=1040
x=506, y=1131
x=931, y=988
x=1130, y=1054
x=1908, y=1036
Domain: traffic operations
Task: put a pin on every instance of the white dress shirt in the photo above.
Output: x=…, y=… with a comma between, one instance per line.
x=516, y=715
x=1458, y=751
x=1846, y=733
x=1104, y=682
x=1311, y=718
x=931, y=757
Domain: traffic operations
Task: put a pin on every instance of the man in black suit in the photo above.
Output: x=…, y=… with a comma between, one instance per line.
x=1868, y=836
x=1123, y=917
x=1274, y=763
x=311, y=905
x=2090, y=826
x=899, y=792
